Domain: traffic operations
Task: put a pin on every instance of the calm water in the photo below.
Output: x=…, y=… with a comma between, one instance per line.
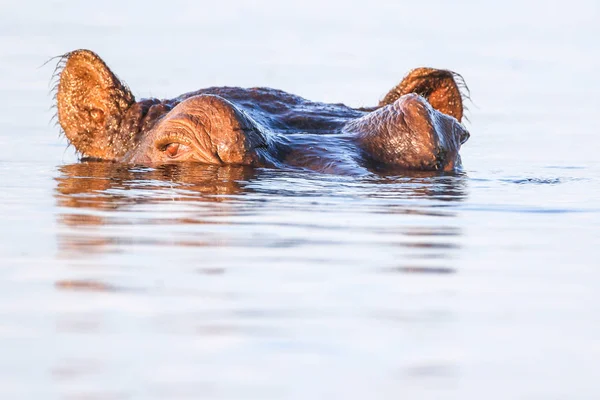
x=229, y=283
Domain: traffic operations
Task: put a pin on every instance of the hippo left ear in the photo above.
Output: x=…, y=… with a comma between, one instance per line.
x=441, y=88
x=91, y=103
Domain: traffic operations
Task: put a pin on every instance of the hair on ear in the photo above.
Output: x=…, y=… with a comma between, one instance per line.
x=91, y=102
x=444, y=90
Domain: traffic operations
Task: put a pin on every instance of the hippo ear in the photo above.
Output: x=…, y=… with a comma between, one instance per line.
x=442, y=88
x=91, y=102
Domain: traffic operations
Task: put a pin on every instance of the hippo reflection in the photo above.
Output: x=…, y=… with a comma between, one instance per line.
x=416, y=126
x=113, y=186
x=105, y=206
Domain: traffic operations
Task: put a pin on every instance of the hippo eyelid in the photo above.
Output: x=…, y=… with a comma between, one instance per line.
x=173, y=136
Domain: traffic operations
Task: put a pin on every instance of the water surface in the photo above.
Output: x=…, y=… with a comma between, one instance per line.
x=234, y=283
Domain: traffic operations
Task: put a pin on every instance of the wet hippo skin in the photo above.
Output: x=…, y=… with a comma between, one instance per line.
x=416, y=126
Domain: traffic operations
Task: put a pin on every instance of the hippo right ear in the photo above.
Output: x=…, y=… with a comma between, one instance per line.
x=91, y=102
x=441, y=88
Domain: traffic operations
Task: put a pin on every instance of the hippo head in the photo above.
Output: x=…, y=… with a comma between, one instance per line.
x=100, y=117
x=416, y=125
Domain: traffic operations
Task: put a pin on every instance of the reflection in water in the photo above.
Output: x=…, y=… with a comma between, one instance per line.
x=96, y=198
x=104, y=185
x=423, y=270
x=86, y=285
x=254, y=258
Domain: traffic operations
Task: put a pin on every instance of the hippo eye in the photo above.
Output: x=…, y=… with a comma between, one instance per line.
x=174, y=150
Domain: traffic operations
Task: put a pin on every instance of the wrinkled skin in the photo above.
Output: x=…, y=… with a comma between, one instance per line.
x=416, y=126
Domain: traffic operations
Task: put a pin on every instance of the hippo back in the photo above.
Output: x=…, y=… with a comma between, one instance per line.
x=283, y=112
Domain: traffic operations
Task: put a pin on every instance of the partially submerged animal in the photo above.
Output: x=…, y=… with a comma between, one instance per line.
x=416, y=126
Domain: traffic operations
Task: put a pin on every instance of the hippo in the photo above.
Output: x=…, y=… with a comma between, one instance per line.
x=416, y=126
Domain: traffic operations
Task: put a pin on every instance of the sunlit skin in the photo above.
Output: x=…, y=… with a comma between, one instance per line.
x=415, y=127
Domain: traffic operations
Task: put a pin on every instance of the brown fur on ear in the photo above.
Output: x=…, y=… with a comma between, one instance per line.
x=442, y=88
x=91, y=102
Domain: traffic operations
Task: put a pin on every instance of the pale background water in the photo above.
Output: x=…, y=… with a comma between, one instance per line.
x=120, y=283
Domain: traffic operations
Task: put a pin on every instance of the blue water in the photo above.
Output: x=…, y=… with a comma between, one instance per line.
x=229, y=283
